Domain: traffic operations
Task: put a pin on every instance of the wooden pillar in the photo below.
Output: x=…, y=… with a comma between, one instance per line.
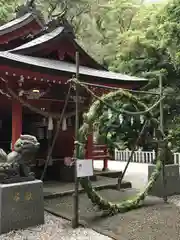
x=89, y=148
x=16, y=121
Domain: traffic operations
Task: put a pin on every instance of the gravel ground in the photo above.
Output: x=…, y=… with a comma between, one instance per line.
x=54, y=229
x=174, y=200
x=155, y=219
x=59, y=229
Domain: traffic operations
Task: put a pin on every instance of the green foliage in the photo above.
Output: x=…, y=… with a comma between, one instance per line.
x=150, y=48
x=174, y=134
x=169, y=30
x=6, y=10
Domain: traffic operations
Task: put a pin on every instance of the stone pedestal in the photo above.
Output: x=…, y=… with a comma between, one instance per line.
x=172, y=179
x=21, y=205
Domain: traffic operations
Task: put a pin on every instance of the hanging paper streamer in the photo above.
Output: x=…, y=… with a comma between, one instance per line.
x=120, y=118
x=50, y=124
x=141, y=119
x=154, y=134
x=64, y=124
x=132, y=121
x=109, y=113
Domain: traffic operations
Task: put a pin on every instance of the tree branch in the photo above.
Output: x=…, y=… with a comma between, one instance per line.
x=55, y=6
x=133, y=15
x=30, y=3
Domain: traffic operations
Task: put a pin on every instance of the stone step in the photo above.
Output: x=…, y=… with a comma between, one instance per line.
x=108, y=173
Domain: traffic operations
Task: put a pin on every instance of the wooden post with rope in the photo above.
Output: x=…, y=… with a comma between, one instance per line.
x=75, y=219
x=162, y=130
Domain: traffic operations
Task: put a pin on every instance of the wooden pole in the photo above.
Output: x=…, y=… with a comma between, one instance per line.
x=162, y=129
x=161, y=104
x=75, y=219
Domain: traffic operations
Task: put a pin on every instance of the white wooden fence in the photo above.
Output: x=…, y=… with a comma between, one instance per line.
x=141, y=156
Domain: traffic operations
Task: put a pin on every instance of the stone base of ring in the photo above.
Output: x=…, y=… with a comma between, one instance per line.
x=172, y=181
x=21, y=205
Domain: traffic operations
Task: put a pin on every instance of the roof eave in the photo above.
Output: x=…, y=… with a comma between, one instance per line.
x=27, y=62
x=25, y=49
x=17, y=24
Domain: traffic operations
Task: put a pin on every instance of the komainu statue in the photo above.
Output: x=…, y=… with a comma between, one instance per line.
x=14, y=167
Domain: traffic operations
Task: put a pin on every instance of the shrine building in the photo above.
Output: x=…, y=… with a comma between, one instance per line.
x=36, y=62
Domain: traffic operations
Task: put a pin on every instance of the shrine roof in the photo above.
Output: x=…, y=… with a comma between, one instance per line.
x=59, y=32
x=39, y=40
x=56, y=67
x=16, y=23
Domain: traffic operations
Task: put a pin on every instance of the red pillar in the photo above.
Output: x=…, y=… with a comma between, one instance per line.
x=16, y=121
x=89, y=147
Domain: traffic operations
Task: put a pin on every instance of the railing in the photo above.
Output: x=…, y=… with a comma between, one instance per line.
x=177, y=158
x=141, y=156
x=101, y=152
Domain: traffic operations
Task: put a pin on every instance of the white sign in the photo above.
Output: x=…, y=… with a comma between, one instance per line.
x=84, y=168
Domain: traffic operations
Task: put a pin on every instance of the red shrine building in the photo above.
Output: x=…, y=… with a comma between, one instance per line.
x=36, y=61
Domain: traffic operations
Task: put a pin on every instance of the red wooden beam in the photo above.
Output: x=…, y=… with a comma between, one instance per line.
x=16, y=121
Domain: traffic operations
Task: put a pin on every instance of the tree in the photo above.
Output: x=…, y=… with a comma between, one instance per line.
x=168, y=30
x=7, y=10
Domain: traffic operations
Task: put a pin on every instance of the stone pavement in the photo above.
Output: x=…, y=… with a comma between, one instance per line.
x=137, y=173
